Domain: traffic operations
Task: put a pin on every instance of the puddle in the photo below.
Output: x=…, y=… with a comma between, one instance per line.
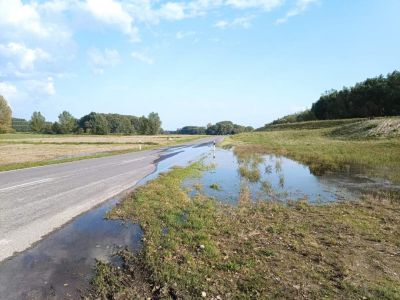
x=277, y=178
x=61, y=265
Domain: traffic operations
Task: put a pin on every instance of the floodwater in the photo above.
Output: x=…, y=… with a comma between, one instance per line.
x=276, y=178
x=61, y=265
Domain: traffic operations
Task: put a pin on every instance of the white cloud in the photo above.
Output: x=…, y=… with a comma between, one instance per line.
x=42, y=87
x=57, y=6
x=26, y=57
x=99, y=60
x=184, y=34
x=172, y=11
x=21, y=17
x=8, y=90
x=244, y=22
x=222, y=24
x=142, y=57
x=264, y=4
x=112, y=12
x=300, y=7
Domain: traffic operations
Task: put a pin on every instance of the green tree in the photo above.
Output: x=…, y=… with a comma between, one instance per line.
x=143, y=125
x=38, y=122
x=5, y=116
x=154, y=124
x=67, y=122
x=56, y=128
x=99, y=124
x=378, y=96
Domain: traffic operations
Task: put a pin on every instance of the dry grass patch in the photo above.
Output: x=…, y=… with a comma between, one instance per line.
x=29, y=150
x=89, y=139
x=21, y=153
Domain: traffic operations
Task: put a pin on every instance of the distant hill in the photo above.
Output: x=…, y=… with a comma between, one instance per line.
x=376, y=128
x=357, y=128
x=309, y=124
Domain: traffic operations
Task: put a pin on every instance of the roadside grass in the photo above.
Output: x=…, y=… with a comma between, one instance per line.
x=25, y=152
x=198, y=247
x=321, y=152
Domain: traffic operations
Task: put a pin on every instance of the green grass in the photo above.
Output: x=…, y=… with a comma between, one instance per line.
x=310, y=124
x=21, y=135
x=255, y=250
x=317, y=149
x=266, y=250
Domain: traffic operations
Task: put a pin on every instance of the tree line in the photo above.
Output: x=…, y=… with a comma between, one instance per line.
x=93, y=123
x=97, y=123
x=374, y=97
x=220, y=128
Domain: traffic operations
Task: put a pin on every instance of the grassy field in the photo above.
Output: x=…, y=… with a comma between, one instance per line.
x=331, y=149
x=318, y=124
x=198, y=247
x=28, y=150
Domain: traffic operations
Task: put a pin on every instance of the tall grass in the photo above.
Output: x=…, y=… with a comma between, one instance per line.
x=377, y=157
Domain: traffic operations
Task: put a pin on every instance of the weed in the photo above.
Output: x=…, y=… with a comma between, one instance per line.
x=215, y=186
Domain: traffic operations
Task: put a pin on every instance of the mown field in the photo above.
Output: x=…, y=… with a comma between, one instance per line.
x=27, y=150
x=199, y=248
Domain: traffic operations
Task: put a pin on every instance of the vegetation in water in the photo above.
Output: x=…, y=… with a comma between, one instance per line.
x=200, y=248
x=327, y=149
x=215, y=186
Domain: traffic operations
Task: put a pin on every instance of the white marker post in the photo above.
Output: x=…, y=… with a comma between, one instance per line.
x=214, y=144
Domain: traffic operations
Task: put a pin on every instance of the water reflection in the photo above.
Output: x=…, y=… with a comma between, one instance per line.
x=249, y=177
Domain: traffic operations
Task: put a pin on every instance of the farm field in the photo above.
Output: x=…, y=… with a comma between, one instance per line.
x=26, y=150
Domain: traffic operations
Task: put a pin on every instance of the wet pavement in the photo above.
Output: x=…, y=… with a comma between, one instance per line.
x=61, y=265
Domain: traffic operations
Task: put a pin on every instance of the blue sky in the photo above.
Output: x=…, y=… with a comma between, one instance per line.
x=193, y=62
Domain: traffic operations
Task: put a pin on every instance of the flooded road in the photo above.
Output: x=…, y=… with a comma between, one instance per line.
x=61, y=265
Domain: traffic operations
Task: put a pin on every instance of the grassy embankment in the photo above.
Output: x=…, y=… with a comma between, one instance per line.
x=30, y=150
x=198, y=247
x=372, y=145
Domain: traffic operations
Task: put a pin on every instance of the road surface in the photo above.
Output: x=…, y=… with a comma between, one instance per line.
x=36, y=201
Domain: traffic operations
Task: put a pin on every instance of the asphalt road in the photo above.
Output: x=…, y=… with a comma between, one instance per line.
x=36, y=201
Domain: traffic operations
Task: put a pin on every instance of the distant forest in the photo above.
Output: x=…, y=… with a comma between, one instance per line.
x=93, y=123
x=374, y=97
x=220, y=128
x=102, y=124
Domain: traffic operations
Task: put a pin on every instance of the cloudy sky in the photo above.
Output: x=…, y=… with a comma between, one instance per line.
x=194, y=62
